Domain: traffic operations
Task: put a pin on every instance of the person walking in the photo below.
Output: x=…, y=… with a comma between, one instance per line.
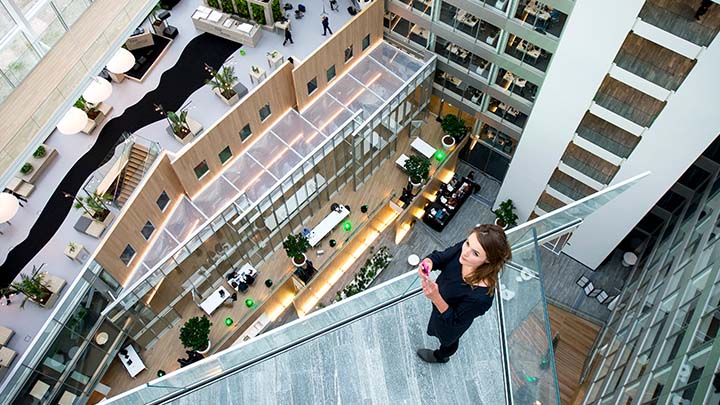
x=326, y=25
x=704, y=7
x=288, y=35
x=465, y=288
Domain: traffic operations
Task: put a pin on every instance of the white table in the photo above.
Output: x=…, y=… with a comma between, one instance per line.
x=327, y=225
x=275, y=59
x=413, y=260
x=257, y=77
x=423, y=147
x=136, y=366
x=214, y=301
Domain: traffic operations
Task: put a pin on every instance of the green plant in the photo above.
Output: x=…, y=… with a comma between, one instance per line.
x=72, y=246
x=95, y=201
x=258, y=12
x=154, y=12
x=295, y=246
x=242, y=8
x=227, y=6
x=222, y=80
x=89, y=109
x=194, y=333
x=454, y=126
x=33, y=287
x=214, y=3
x=505, y=214
x=39, y=152
x=367, y=273
x=26, y=168
x=178, y=122
x=276, y=11
x=418, y=168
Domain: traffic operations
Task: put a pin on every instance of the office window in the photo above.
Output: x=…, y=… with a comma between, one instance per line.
x=312, y=85
x=201, y=169
x=127, y=255
x=366, y=42
x=225, y=155
x=348, y=53
x=147, y=230
x=245, y=132
x=264, y=112
x=331, y=73
x=163, y=201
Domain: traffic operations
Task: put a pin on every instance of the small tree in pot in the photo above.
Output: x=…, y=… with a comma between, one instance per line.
x=222, y=82
x=455, y=127
x=417, y=168
x=195, y=333
x=33, y=287
x=91, y=111
x=93, y=205
x=295, y=246
x=506, y=218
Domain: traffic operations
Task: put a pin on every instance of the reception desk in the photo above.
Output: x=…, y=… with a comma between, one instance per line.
x=226, y=26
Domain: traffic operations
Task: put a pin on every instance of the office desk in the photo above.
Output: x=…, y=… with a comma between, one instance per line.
x=419, y=31
x=537, y=10
x=214, y=301
x=515, y=79
x=466, y=18
x=458, y=51
x=257, y=77
x=529, y=49
x=136, y=365
x=327, y=225
x=508, y=109
x=452, y=79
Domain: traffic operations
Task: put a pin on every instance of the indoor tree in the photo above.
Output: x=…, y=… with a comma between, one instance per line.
x=506, y=217
x=194, y=334
x=418, y=168
x=222, y=80
x=295, y=246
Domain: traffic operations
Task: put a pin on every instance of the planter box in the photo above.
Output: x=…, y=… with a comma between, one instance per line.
x=232, y=100
x=39, y=165
x=195, y=128
x=55, y=285
x=92, y=124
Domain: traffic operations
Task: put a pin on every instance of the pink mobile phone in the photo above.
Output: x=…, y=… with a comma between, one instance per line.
x=425, y=269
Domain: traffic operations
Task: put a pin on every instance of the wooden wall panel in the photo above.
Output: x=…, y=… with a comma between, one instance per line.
x=277, y=90
x=138, y=210
x=368, y=21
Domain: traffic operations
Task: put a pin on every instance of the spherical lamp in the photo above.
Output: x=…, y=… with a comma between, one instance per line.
x=73, y=122
x=121, y=62
x=98, y=91
x=9, y=206
x=249, y=302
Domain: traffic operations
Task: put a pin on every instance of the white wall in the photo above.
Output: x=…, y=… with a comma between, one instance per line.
x=683, y=130
x=592, y=36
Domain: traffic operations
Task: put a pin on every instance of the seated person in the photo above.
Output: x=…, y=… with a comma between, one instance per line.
x=239, y=285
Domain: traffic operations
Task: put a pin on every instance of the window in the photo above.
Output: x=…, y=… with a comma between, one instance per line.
x=147, y=230
x=127, y=255
x=225, y=155
x=348, y=53
x=331, y=73
x=163, y=201
x=201, y=169
x=245, y=133
x=366, y=42
x=265, y=112
x=312, y=85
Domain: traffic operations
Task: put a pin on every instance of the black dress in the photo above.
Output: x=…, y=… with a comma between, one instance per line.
x=465, y=303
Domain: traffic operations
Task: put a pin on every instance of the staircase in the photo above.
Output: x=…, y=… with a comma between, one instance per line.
x=132, y=174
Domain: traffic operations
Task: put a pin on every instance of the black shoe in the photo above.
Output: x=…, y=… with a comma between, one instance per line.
x=428, y=356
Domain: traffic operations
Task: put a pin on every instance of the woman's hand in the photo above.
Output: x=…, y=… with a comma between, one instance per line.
x=430, y=289
x=429, y=264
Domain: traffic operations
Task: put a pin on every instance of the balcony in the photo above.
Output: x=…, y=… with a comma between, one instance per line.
x=527, y=53
x=543, y=18
x=569, y=186
x=590, y=165
x=549, y=203
x=406, y=29
x=516, y=84
x=607, y=136
x=678, y=18
x=450, y=82
x=469, y=24
x=507, y=113
x=423, y=6
x=653, y=62
x=628, y=102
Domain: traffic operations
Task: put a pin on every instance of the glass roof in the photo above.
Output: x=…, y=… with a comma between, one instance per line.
x=370, y=83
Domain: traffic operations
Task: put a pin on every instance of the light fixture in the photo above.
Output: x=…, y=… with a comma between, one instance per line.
x=121, y=62
x=9, y=206
x=73, y=122
x=228, y=321
x=439, y=156
x=98, y=91
x=347, y=226
x=249, y=302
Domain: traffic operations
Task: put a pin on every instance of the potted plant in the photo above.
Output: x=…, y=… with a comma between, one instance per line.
x=92, y=112
x=71, y=247
x=418, y=169
x=33, y=287
x=222, y=83
x=39, y=152
x=455, y=127
x=94, y=205
x=295, y=246
x=505, y=217
x=26, y=169
x=194, y=334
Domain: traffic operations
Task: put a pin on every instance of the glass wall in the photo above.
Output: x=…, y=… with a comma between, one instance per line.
x=471, y=25
x=527, y=53
x=543, y=18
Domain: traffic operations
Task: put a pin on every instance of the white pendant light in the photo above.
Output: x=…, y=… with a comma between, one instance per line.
x=98, y=91
x=73, y=122
x=121, y=62
x=8, y=207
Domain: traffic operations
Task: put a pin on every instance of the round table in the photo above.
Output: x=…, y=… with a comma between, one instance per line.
x=629, y=259
x=413, y=260
x=101, y=338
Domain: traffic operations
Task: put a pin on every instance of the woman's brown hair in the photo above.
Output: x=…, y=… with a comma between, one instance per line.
x=494, y=242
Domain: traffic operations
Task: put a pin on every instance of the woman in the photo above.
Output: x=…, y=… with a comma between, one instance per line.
x=464, y=290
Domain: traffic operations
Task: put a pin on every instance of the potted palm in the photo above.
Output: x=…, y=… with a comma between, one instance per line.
x=505, y=216
x=195, y=334
x=182, y=127
x=222, y=82
x=418, y=170
x=295, y=246
x=94, y=205
x=33, y=287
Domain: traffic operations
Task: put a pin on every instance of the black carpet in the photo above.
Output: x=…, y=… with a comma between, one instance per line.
x=176, y=85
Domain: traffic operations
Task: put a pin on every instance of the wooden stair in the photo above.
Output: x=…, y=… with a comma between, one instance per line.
x=133, y=173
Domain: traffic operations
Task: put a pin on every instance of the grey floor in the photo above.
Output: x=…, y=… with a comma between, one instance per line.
x=372, y=361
